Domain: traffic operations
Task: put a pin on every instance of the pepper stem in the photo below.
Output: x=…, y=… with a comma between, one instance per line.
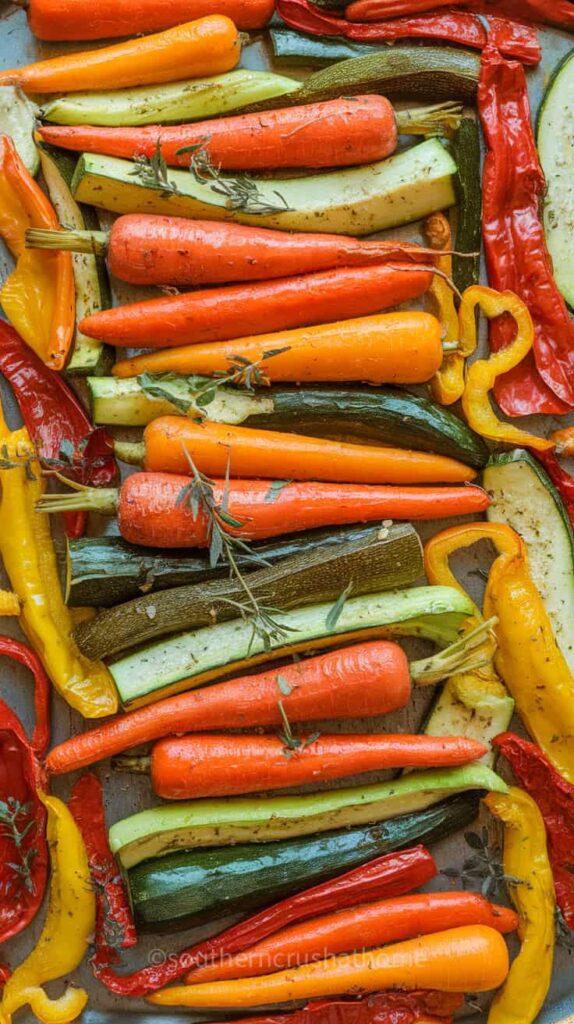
x=139, y=764
x=462, y=656
x=132, y=452
x=93, y=242
x=439, y=119
x=103, y=500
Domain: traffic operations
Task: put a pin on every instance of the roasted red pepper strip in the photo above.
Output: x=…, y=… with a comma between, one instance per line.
x=555, y=799
x=24, y=856
x=380, y=1008
x=516, y=253
x=115, y=928
x=520, y=41
x=56, y=421
x=562, y=480
x=551, y=12
x=391, y=875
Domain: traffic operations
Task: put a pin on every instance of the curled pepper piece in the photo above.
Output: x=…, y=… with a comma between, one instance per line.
x=525, y=859
x=482, y=375
x=9, y=603
x=527, y=657
x=67, y=930
x=447, y=384
x=39, y=296
x=29, y=557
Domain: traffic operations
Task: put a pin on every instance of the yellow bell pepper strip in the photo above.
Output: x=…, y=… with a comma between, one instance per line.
x=29, y=558
x=69, y=925
x=481, y=375
x=9, y=603
x=39, y=296
x=447, y=384
x=527, y=658
x=525, y=858
x=481, y=701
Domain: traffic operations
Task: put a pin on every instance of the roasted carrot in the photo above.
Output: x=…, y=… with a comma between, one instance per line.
x=564, y=441
x=468, y=959
x=372, y=924
x=152, y=508
x=60, y=20
x=150, y=249
x=220, y=765
x=216, y=314
x=217, y=448
x=207, y=46
x=392, y=348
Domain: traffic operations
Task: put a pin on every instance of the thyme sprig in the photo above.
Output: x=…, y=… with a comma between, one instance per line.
x=153, y=172
x=11, y=813
x=288, y=738
x=241, y=192
x=483, y=869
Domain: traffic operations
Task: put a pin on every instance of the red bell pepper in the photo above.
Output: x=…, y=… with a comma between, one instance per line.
x=555, y=799
x=550, y=12
x=516, y=254
x=562, y=480
x=380, y=1008
x=56, y=421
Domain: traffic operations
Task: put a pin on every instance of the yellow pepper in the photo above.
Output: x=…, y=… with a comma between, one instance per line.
x=447, y=384
x=29, y=558
x=68, y=928
x=9, y=603
x=481, y=375
x=481, y=703
x=525, y=858
x=39, y=296
x=527, y=658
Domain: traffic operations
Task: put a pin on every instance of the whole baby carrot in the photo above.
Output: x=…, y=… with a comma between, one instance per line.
x=82, y=19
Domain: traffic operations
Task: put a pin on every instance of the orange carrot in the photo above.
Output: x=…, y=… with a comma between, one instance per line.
x=152, y=249
x=59, y=20
x=473, y=958
x=336, y=133
x=360, y=681
x=208, y=46
x=216, y=314
x=267, y=453
x=185, y=767
x=564, y=441
x=153, y=511
x=392, y=348
x=372, y=924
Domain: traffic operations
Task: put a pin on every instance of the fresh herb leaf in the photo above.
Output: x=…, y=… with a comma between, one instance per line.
x=241, y=192
x=283, y=686
x=275, y=490
x=153, y=173
x=337, y=609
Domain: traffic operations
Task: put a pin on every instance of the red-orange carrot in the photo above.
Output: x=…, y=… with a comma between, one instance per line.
x=372, y=924
x=185, y=767
x=336, y=133
x=216, y=314
x=391, y=348
x=361, y=681
x=152, y=249
x=217, y=448
x=83, y=19
x=153, y=511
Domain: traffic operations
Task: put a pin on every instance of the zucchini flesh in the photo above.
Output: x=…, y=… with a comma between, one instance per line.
x=307, y=578
x=169, y=827
x=478, y=709
x=102, y=571
x=88, y=356
x=468, y=184
x=556, y=150
x=169, y=103
x=524, y=497
x=190, y=659
x=18, y=119
x=182, y=889
x=385, y=415
x=356, y=201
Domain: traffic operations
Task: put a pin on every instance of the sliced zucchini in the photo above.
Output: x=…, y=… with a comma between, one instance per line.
x=293, y=48
x=197, y=823
x=190, y=659
x=89, y=356
x=524, y=497
x=556, y=148
x=355, y=201
x=479, y=708
x=181, y=889
x=466, y=149
x=169, y=103
x=17, y=119
x=134, y=402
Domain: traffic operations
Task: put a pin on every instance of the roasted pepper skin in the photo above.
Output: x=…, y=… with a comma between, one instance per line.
x=447, y=384
x=69, y=924
x=525, y=858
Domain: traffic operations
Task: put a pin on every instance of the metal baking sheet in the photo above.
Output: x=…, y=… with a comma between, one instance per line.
x=127, y=794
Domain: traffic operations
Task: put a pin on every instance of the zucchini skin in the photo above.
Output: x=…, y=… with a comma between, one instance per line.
x=468, y=185
x=391, y=415
x=103, y=571
x=181, y=889
x=295, y=49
